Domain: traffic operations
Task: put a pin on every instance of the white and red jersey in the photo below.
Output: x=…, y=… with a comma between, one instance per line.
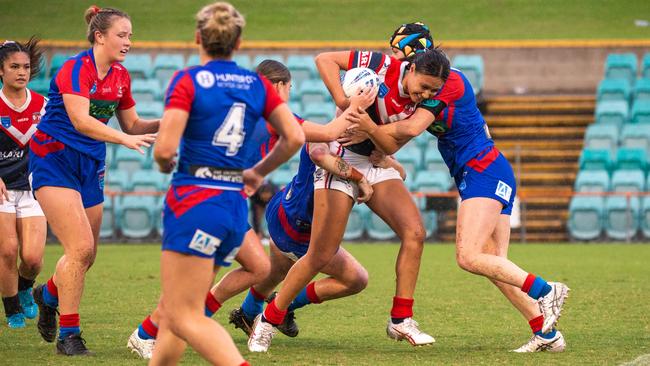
x=18, y=124
x=392, y=103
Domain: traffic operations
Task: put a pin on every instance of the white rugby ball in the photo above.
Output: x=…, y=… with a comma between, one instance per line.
x=357, y=80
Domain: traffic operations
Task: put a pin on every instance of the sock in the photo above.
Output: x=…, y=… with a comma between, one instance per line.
x=148, y=329
x=305, y=297
x=273, y=315
x=536, y=326
x=245, y=364
x=68, y=324
x=211, y=305
x=24, y=283
x=402, y=309
x=51, y=294
x=535, y=286
x=253, y=304
x=12, y=305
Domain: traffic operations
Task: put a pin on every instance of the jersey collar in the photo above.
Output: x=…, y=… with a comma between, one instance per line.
x=91, y=54
x=13, y=107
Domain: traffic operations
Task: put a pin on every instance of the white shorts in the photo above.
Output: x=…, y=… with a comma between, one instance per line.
x=374, y=175
x=21, y=203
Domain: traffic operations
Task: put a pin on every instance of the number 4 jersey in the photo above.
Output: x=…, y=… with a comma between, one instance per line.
x=224, y=103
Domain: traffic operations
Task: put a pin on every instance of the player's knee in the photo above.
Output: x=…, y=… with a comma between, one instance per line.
x=261, y=270
x=360, y=281
x=413, y=234
x=32, y=262
x=9, y=250
x=318, y=261
x=84, y=255
x=466, y=261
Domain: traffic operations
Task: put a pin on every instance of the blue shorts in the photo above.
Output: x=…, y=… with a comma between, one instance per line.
x=488, y=175
x=292, y=243
x=52, y=163
x=204, y=222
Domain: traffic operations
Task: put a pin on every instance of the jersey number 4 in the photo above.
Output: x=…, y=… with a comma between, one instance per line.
x=231, y=133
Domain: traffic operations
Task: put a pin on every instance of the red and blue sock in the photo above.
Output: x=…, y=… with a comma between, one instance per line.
x=148, y=329
x=535, y=286
x=211, y=305
x=536, y=326
x=402, y=309
x=51, y=294
x=273, y=315
x=305, y=297
x=68, y=324
x=253, y=304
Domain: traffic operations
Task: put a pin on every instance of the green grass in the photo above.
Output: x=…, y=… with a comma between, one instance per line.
x=346, y=20
x=605, y=321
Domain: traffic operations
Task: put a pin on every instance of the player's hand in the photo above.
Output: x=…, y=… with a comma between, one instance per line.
x=363, y=100
x=252, y=181
x=379, y=159
x=361, y=120
x=137, y=142
x=365, y=191
x=4, y=195
x=352, y=136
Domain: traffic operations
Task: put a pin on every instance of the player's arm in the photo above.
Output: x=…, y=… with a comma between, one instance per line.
x=329, y=65
x=132, y=124
x=322, y=157
x=381, y=160
x=171, y=130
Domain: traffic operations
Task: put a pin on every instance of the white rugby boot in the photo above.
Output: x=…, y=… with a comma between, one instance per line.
x=408, y=330
x=551, y=305
x=539, y=344
x=261, y=335
x=139, y=346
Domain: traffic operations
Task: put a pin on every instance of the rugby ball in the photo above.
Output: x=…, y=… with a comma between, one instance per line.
x=357, y=80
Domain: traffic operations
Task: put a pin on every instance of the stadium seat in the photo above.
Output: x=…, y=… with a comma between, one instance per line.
x=149, y=110
x=631, y=158
x=621, y=65
x=296, y=108
x=595, y=159
x=472, y=67
x=433, y=161
x=410, y=157
x=614, y=89
x=41, y=86
x=165, y=65
x=621, y=217
x=628, y=181
x=592, y=181
x=302, y=68
x=136, y=216
x=640, y=112
x=107, y=230
x=116, y=181
x=426, y=140
x=272, y=56
x=356, y=222
x=319, y=112
x=243, y=61
x=611, y=112
x=377, y=228
x=645, y=217
x=599, y=136
x=282, y=177
x=430, y=220
x=139, y=65
x=193, y=60
x=42, y=75
x=641, y=90
x=427, y=181
x=313, y=91
x=294, y=162
x=146, y=181
x=130, y=161
x=645, y=72
x=157, y=218
x=585, y=217
x=114, y=123
x=146, y=90
x=636, y=136
x=55, y=64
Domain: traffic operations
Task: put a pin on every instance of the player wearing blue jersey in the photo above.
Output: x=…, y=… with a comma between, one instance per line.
x=67, y=166
x=22, y=222
x=211, y=111
x=487, y=189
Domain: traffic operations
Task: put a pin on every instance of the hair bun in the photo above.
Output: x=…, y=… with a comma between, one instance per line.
x=91, y=12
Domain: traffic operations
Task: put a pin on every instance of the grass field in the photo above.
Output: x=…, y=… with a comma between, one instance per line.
x=606, y=321
x=345, y=20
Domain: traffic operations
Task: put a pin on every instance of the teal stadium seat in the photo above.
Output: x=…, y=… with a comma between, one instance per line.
x=592, y=181
x=146, y=90
x=149, y=110
x=313, y=91
x=302, y=68
x=424, y=139
x=294, y=162
x=243, y=61
x=627, y=180
x=410, y=157
x=611, y=112
x=377, y=228
x=136, y=216
x=472, y=67
x=621, y=218
x=145, y=181
x=319, y=112
x=631, y=158
x=640, y=112
x=139, y=65
x=271, y=56
x=636, y=136
x=645, y=217
x=645, y=73
x=42, y=75
x=430, y=220
x=55, y=64
x=427, y=181
x=41, y=86
x=356, y=222
x=193, y=60
x=116, y=181
x=641, y=90
x=601, y=136
x=585, y=217
x=130, y=161
x=114, y=123
x=595, y=159
x=621, y=65
x=296, y=108
x=157, y=217
x=433, y=161
x=107, y=230
x=165, y=65
x=614, y=89
x=281, y=177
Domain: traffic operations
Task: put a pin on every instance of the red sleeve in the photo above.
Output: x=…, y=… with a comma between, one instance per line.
x=453, y=89
x=180, y=94
x=273, y=100
x=126, y=101
x=74, y=78
x=371, y=60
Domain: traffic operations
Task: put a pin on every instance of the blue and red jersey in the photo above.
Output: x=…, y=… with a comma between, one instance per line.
x=78, y=76
x=461, y=130
x=225, y=104
x=265, y=137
